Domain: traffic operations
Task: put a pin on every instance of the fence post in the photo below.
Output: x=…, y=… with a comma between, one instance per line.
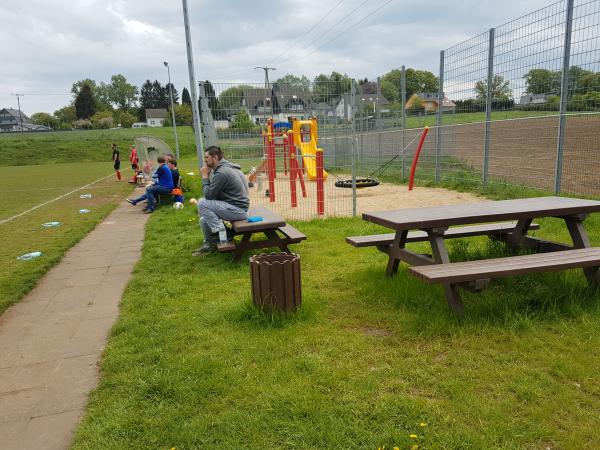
x=438, y=132
x=564, y=97
x=403, y=108
x=488, y=107
x=354, y=145
x=378, y=118
x=208, y=125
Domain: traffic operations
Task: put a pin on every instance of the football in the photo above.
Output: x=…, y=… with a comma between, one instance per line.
x=177, y=205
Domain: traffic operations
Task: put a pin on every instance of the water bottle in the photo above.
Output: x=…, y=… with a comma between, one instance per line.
x=28, y=256
x=85, y=196
x=51, y=224
x=222, y=235
x=84, y=211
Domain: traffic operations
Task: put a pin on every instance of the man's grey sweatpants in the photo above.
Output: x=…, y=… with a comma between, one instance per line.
x=213, y=212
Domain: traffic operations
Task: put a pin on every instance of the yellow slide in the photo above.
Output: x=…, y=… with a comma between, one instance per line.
x=305, y=139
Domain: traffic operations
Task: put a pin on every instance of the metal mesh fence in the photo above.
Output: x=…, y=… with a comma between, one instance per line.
x=518, y=104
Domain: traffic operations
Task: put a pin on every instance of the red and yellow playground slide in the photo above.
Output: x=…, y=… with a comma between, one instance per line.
x=305, y=139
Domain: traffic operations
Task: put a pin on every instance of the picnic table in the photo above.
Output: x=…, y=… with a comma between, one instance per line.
x=436, y=224
x=277, y=233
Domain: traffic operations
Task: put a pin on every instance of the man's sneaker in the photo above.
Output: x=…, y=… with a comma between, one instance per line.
x=131, y=202
x=204, y=250
x=148, y=211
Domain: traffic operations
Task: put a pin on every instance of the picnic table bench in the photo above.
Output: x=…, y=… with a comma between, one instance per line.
x=435, y=224
x=277, y=233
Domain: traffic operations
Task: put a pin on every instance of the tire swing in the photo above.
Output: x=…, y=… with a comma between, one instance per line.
x=360, y=183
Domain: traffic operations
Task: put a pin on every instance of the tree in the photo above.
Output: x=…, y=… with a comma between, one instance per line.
x=66, y=115
x=85, y=104
x=175, y=93
x=120, y=93
x=292, y=81
x=160, y=95
x=76, y=87
x=326, y=88
x=242, y=121
x=417, y=81
x=42, y=118
x=231, y=97
x=124, y=118
x=542, y=81
x=501, y=90
x=185, y=97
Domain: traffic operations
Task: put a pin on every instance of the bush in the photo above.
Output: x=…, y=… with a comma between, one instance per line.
x=124, y=118
x=82, y=124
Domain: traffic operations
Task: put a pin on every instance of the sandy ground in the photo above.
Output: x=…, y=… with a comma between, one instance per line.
x=338, y=201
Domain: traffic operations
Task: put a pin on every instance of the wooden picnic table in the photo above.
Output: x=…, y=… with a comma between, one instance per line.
x=434, y=224
x=277, y=233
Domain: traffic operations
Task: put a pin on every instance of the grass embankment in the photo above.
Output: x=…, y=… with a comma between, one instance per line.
x=94, y=145
x=368, y=361
x=29, y=186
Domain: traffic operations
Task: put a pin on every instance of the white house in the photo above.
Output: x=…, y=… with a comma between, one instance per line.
x=156, y=117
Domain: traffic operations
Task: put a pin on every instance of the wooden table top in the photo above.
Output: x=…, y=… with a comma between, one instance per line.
x=470, y=213
x=270, y=221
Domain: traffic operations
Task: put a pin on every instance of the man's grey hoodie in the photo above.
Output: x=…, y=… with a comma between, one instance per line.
x=227, y=183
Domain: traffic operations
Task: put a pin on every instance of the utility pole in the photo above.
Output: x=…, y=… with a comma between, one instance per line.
x=196, y=114
x=266, y=69
x=20, y=113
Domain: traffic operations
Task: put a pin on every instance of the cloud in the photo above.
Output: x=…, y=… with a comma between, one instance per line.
x=49, y=45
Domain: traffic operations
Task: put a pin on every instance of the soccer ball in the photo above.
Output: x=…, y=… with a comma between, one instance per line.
x=177, y=205
x=193, y=201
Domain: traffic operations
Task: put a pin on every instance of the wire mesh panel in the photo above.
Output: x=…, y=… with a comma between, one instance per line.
x=277, y=133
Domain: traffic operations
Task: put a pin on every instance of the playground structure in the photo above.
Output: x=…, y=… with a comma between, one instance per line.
x=291, y=141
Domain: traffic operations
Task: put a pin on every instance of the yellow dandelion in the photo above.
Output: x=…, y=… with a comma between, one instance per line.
x=423, y=424
x=414, y=447
x=413, y=436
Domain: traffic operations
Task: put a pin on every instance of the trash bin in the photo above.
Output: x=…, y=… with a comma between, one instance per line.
x=276, y=282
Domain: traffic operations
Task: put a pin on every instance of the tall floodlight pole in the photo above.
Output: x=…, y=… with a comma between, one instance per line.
x=172, y=110
x=20, y=113
x=196, y=114
x=266, y=69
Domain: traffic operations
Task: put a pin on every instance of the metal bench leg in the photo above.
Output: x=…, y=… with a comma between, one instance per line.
x=394, y=257
x=581, y=240
x=440, y=256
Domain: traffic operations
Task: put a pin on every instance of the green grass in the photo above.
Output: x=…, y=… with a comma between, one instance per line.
x=94, y=145
x=29, y=186
x=367, y=359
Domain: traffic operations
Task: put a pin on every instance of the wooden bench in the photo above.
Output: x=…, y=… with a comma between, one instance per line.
x=277, y=233
x=496, y=230
x=461, y=272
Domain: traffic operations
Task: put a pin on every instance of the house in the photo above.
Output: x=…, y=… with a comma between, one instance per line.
x=534, y=99
x=430, y=102
x=367, y=104
x=156, y=117
x=12, y=120
x=279, y=103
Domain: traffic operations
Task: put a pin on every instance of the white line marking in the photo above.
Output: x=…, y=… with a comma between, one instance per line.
x=53, y=200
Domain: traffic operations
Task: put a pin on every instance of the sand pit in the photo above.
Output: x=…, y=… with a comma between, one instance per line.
x=338, y=201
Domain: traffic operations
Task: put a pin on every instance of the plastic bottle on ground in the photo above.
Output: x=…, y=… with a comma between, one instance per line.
x=28, y=256
x=84, y=211
x=85, y=196
x=51, y=224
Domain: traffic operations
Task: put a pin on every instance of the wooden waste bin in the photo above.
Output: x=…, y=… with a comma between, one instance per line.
x=276, y=281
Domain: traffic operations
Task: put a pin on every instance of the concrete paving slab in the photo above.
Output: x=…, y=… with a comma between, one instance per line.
x=51, y=342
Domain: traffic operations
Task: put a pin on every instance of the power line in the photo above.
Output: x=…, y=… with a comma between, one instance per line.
x=347, y=29
x=354, y=25
x=308, y=32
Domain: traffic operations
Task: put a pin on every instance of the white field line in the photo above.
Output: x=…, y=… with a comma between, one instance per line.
x=3, y=221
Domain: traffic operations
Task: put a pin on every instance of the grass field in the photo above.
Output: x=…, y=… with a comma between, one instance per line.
x=367, y=362
x=28, y=186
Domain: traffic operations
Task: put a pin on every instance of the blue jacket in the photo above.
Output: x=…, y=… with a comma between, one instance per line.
x=165, y=177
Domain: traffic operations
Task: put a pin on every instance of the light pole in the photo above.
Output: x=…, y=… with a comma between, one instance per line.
x=172, y=110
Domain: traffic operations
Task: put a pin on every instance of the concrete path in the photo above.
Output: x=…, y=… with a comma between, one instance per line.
x=51, y=341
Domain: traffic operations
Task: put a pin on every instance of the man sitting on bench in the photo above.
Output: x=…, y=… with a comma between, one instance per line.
x=225, y=197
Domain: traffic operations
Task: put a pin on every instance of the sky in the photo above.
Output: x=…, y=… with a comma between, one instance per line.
x=48, y=45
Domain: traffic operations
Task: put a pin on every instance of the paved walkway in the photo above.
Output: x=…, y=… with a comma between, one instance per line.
x=51, y=341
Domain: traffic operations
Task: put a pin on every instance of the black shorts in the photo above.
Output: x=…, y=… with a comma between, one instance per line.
x=117, y=164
